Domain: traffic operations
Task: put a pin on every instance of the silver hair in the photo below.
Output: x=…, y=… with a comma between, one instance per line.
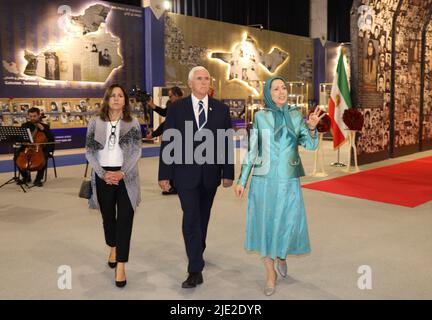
x=195, y=69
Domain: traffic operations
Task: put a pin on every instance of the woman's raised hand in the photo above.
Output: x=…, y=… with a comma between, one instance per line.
x=314, y=119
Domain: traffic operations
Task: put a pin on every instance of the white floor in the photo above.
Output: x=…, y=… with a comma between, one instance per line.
x=50, y=227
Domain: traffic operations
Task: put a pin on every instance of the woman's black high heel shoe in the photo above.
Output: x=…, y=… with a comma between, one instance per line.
x=112, y=265
x=119, y=284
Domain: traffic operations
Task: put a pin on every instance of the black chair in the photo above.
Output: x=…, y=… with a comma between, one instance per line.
x=50, y=156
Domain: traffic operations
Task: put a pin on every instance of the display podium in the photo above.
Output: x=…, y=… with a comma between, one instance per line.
x=319, y=158
x=352, y=146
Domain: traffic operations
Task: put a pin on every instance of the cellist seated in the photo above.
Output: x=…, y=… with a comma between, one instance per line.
x=35, y=125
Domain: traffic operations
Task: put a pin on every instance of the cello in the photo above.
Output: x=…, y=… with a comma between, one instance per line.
x=32, y=158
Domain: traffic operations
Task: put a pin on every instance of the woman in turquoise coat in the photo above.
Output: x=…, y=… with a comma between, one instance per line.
x=276, y=220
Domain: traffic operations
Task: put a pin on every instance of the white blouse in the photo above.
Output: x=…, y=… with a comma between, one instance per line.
x=111, y=157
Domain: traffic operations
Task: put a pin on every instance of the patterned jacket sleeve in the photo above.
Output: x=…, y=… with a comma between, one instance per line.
x=134, y=153
x=92, y=149
x=252, y=155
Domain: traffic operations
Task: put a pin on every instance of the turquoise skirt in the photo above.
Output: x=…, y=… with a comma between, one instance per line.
x=276, y=220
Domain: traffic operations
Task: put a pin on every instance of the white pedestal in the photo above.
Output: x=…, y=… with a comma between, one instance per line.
x=319, y=158
x=351, y=136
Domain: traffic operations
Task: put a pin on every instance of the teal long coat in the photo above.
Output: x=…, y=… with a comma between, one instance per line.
x=277, y=159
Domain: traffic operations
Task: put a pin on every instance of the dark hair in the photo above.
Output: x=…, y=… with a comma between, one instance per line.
x=176, y=91
x=34, y=109
x=370, y=58
x=103, y=113
x=373, y=47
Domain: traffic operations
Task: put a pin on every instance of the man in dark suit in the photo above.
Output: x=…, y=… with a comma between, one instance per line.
x=194, y=122
x=35, y=124
x=174, y=94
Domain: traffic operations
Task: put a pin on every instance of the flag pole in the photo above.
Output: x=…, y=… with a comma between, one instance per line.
x=338, y=163
x=336, y=102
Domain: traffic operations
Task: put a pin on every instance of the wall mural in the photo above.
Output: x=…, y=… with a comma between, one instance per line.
x=239, y=58
x=79, y=47
x=86, y=53
x=427, y=106
x=374, y=23
x=409, y=26
x=375, y=27
x=245, y=59
x=177, y=49
x=305, y=70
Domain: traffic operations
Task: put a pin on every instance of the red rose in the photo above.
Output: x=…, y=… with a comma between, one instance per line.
x=353, y=119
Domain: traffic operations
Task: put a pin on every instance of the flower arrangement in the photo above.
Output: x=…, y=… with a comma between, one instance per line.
x=353, y=119
x=211, y=92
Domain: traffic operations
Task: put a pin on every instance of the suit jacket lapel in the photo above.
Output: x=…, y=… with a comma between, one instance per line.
x=210, y=114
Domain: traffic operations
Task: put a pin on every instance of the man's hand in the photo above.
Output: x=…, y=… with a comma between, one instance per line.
x=164, y=185
x=151, y=104
x=239, y=190
x=40, y=126
x=227, y=183
x=149, y=134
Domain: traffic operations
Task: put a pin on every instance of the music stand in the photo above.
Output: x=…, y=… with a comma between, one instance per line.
x=15, y=136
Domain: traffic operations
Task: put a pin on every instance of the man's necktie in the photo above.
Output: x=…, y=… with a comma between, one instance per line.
x=201, y=115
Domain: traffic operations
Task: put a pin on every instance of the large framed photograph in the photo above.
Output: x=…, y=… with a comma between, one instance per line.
x=370, y=62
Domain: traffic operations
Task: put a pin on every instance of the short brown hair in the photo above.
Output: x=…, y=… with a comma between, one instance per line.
x=103, y=113
x=176, y=91
x=33, y=110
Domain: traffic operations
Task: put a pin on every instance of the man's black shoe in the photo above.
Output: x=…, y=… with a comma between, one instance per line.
x=38, y=183
x=24, y=181
x=192, y=280
x=172, y=191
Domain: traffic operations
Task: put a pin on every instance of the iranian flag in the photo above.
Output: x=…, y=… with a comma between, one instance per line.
x=340, y=100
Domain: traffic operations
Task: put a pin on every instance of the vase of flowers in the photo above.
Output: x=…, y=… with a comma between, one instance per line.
x=353, y=119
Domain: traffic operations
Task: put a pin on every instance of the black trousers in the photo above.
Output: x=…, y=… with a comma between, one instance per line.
x=117, y=215
x=26, y=175
x=196, y=205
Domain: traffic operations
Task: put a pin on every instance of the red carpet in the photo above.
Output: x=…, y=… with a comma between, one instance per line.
x=406, y=184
